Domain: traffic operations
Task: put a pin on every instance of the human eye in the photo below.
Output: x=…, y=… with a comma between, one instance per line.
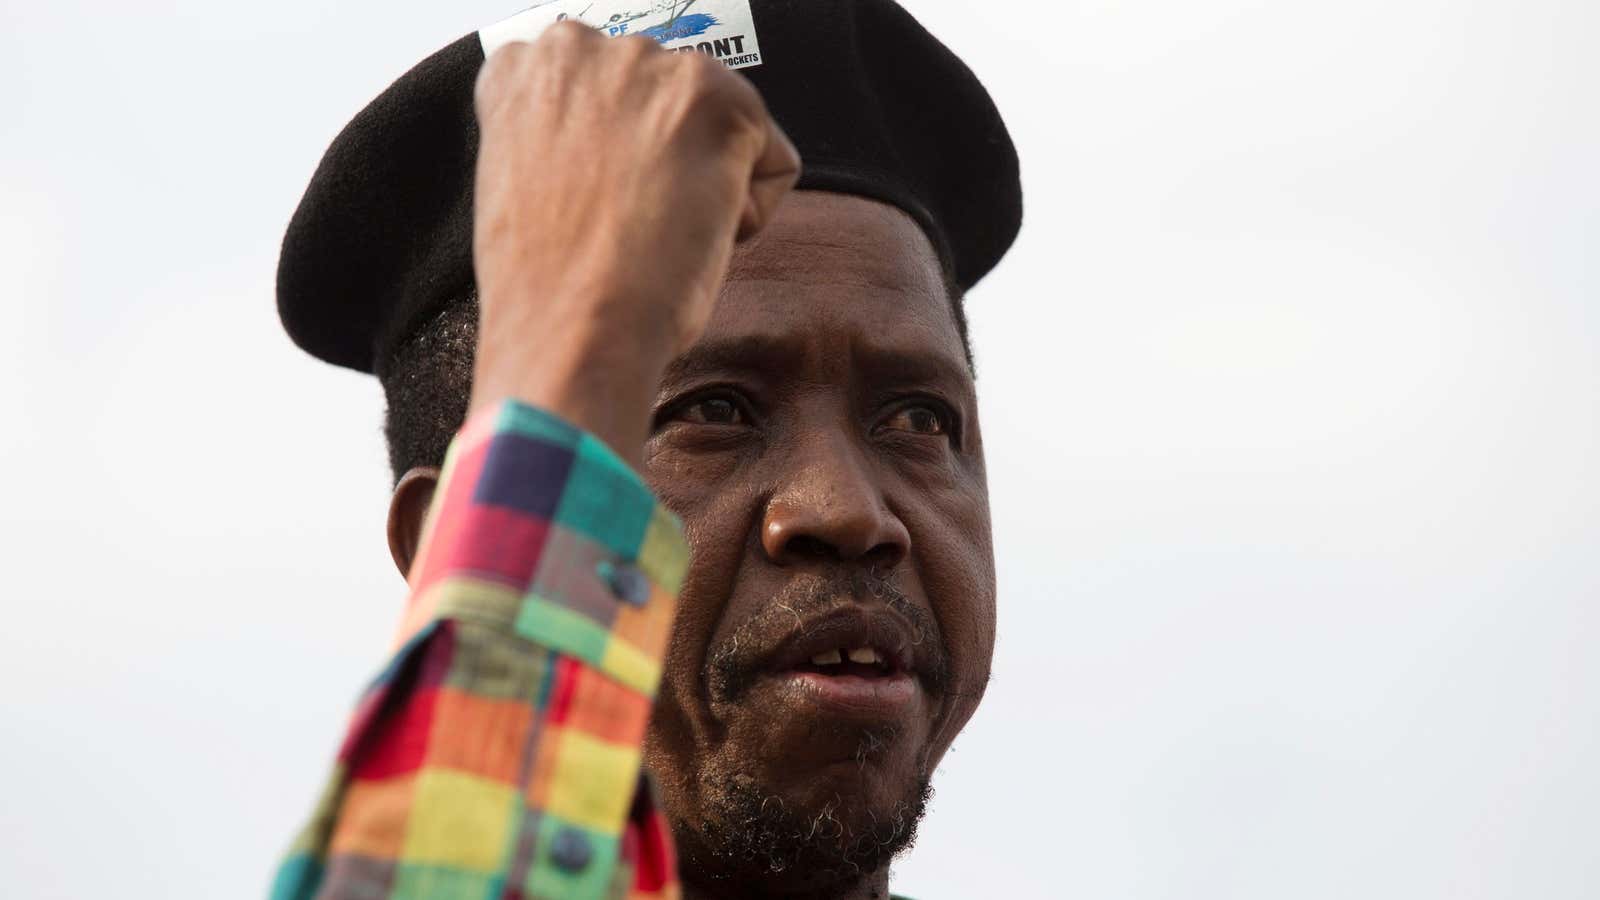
x=722, y=408
x=921, y=416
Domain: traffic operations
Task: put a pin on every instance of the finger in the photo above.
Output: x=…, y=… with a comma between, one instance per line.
x=489, y=86
x=774, y=163
x=775, y=172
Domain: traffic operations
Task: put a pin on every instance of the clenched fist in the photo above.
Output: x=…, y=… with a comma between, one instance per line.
x=613, y=180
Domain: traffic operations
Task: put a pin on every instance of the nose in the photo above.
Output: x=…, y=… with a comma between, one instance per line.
x=828, y=507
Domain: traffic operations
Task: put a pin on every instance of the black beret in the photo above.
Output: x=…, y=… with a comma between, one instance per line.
x=877, y=106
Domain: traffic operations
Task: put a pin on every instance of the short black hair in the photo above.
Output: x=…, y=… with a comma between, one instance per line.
x=428, y=381
x=426, y=387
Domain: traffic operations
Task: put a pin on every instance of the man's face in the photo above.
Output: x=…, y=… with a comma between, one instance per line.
x=835, y=629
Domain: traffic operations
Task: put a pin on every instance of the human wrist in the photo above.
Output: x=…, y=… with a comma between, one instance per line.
x=601, y=380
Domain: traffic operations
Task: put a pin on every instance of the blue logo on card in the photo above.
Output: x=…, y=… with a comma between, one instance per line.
x=682, y=27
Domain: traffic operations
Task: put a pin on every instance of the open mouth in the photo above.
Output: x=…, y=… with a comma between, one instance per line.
x=859, y=662
x=856, y=662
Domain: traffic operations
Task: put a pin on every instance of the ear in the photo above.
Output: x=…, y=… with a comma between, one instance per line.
x=408, y=512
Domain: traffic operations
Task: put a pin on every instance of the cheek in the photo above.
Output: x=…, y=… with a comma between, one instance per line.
x=682, y=734
x=954, y=556
x=701, y=491
x=955, y=559
x=683, y=479
x=706, y=492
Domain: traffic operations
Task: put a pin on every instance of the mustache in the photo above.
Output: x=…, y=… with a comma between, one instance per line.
x=734, y=663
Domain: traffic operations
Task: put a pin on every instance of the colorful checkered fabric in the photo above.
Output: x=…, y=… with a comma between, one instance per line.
x=498, y=755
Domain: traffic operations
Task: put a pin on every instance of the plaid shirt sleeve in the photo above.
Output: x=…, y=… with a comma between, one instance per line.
x=498, y=754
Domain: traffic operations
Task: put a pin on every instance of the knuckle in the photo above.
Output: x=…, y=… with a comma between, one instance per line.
x=732, y=97
x=510, y=55
x=709, y=71
x=494, y=72
x=566, y=33
x=702, y=76
x=636, y=46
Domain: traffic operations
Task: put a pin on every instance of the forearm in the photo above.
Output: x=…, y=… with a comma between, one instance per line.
x=600, y=378
x=501, y=744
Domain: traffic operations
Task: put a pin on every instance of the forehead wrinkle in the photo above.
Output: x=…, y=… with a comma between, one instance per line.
x=833, y=278
x=799, y=255
x=875, y=320
x=827, y=270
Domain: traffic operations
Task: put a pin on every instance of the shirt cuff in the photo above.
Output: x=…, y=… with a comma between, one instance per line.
x=539, y=528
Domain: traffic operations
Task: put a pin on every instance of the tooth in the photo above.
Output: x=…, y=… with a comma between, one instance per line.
x=865, y=655
x=830, y=658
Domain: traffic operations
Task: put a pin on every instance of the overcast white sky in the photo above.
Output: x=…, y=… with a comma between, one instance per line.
x=1290, y=390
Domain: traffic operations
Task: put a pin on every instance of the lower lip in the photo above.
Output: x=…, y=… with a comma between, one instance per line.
x=852, y=695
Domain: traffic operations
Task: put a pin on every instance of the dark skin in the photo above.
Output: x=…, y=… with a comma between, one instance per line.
x=850, y=441
x=840, y=434
x=786, y=371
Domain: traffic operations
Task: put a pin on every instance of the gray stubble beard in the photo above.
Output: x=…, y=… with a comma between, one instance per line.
x=752, y=838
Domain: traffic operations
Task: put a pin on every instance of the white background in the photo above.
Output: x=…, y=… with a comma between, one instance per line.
x=1290, y=391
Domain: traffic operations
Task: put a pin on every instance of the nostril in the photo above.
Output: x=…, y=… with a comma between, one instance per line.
x=804, y=546
x=795, y=533
x=885, y=556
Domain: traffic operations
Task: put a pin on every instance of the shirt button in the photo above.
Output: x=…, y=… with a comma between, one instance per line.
x=627, y=583
x=571, y=851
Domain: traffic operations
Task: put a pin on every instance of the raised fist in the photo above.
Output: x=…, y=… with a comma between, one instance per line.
x=613, y=180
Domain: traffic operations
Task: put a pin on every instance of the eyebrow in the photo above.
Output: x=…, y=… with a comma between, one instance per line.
x=769, y=355
x=893, y=365
x=755, y=354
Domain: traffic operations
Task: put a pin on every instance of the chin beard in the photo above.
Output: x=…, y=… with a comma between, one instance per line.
x=752, y=843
